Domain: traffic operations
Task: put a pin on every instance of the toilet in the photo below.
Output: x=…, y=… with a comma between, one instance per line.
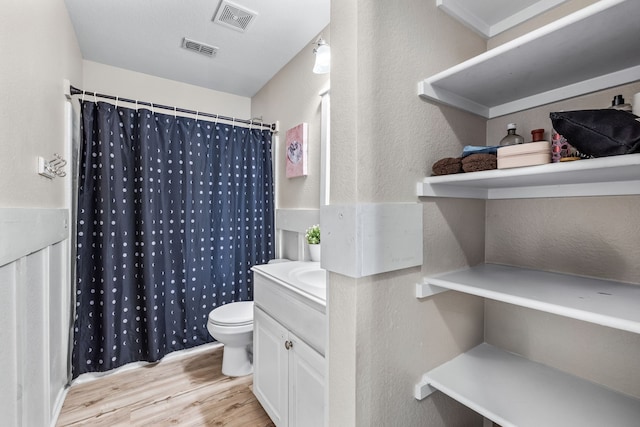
x=232, y=325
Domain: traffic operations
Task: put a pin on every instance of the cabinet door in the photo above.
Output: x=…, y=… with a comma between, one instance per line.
x=306, y=385
x=270, y=366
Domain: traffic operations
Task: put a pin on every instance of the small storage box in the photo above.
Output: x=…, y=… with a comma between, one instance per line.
x=528, y=154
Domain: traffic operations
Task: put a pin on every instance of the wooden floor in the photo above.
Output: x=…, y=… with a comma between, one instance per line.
x=185, y=391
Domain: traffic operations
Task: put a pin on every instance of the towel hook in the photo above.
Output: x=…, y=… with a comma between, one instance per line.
x=52, y=168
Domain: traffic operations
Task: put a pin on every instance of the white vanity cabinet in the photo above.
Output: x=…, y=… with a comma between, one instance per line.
x=289, y=335
x=288, y=374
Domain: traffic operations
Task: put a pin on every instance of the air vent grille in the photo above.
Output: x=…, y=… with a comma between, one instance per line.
x=202, y=48
x=234, y=16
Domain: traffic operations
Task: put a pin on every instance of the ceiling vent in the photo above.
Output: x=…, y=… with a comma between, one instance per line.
x=233, y=16
x=202, y=48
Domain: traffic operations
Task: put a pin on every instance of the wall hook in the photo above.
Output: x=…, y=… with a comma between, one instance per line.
x=52, y=168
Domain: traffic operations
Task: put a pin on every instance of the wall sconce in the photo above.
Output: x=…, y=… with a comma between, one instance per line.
x=323, y=57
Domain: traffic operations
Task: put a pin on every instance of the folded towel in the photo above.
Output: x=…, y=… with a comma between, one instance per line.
x=447, y=166
x=479, y=149
x=479, y=162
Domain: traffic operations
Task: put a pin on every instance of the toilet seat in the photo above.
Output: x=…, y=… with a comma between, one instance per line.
x=232, y=314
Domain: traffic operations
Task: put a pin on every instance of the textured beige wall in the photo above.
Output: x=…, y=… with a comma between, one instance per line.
x=593, y=236
x=293, y=96
x=39, y=49
x=115, y=81
x=539, y=117
x=384, y=140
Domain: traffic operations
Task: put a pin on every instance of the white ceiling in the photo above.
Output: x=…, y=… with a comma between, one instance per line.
x=146, y=36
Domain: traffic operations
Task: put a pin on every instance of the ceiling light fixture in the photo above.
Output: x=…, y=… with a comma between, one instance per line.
x=323, y=57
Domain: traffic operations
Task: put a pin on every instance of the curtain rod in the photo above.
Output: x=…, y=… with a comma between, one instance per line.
x=252, y=122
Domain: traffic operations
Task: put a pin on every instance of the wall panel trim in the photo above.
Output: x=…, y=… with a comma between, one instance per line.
x=26, y=230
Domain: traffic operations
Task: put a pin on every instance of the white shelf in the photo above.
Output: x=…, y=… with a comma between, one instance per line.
x=513, y=391
x=604, y=302
x=615, y=175
x=489, y=18
x=592, y=49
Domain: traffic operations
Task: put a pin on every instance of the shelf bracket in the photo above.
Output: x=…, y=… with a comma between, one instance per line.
x=425, y=289
x=423, y=388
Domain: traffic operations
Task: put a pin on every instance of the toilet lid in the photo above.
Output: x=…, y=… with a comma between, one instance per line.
x=235, y=313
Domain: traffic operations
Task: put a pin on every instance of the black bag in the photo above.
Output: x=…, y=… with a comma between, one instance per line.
x=599, y=133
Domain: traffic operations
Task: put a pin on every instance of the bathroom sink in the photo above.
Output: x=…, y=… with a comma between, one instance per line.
x=303, y=277
x=312, y=276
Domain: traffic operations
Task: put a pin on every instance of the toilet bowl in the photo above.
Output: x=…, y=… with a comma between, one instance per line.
x=232, y=325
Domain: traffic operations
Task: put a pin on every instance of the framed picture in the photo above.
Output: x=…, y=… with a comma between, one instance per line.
x=296, y=151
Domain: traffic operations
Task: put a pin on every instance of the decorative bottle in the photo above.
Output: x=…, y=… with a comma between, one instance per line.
x=512, y=137
x=619, y=104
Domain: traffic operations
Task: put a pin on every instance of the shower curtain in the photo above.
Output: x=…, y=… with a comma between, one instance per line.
x=172, y=214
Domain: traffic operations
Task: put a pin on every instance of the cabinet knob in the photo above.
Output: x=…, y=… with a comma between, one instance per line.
x=288, y=344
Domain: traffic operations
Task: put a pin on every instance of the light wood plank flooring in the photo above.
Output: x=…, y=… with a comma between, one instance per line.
x=185, y=391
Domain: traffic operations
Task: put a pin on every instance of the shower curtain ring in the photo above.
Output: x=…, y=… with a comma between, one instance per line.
x=175, y=112
x=196, y=116
x=83, y=92
x=216, y=118
x=116, y=102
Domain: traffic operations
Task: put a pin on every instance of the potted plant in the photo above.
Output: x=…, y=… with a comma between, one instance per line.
x=312, y=235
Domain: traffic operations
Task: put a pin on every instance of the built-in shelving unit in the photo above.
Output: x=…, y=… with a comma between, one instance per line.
x=616, y=175
x=592, y=49
x=513, y=391
x=603, y=302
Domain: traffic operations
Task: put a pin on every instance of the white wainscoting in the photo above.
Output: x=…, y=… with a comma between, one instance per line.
x=291, y=225
x=34, y=314
x=370, y=238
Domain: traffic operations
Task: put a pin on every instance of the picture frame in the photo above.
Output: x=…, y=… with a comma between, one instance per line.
x=296, y=151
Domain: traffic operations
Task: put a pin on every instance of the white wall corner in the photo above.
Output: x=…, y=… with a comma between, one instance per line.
x=365, y=239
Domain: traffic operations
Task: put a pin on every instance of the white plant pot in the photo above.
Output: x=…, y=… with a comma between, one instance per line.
x=314, y=252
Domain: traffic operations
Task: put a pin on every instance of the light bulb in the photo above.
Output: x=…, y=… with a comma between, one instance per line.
x=323, y=59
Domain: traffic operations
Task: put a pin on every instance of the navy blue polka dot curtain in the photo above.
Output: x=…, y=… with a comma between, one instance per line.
x=172, y=214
